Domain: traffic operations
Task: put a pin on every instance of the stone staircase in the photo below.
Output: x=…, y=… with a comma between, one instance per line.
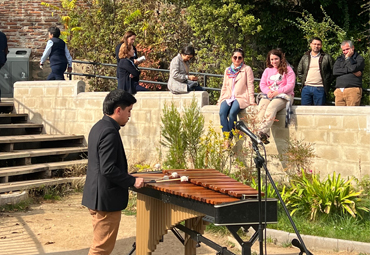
x=31, y=159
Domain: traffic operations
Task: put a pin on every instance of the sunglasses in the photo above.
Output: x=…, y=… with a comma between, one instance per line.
x=237, y=57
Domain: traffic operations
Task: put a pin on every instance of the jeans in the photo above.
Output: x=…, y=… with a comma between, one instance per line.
x=228, y=115
x=194, y=85
x=57, y=72
x=313, y=95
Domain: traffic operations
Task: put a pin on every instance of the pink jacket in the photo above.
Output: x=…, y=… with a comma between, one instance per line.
x=271, y=80
x=244, y=87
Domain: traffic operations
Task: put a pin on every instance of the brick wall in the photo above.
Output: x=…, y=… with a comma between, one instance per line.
x=25, y=23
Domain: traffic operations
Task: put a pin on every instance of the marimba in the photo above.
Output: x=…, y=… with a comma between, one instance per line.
x=207, y=196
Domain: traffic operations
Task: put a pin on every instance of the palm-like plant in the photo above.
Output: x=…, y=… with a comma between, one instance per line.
x=332, y=196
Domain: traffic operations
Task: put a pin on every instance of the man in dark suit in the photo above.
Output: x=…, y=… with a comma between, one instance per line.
x=3, y=52
x=107, y=180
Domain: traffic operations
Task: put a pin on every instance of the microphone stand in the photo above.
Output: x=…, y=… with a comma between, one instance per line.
x=260, y=162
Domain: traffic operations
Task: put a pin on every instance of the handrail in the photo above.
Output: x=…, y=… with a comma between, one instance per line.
x=204, y=75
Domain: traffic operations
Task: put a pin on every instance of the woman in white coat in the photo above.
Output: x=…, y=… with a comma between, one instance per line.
x=180, y=81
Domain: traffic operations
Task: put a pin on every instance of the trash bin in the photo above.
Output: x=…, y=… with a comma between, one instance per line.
x=16, y=68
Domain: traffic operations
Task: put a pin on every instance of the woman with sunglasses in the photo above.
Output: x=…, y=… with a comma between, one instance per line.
x=180, y=81
x=277, y=91
x=237, y=92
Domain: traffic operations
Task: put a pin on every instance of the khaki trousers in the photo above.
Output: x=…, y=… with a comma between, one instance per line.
x=349, y=97
x=105, y=230
x=267, y=112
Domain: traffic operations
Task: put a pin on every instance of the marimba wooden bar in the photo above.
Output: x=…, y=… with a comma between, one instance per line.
x=207, y=193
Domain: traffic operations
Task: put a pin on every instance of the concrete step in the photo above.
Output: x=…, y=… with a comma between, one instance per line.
x=6, y=106
x=46, y=168
x=39, y=141
x=41, y=152
x=38, y=138
x=8, y=118
x=24, y=185
x=20, y=129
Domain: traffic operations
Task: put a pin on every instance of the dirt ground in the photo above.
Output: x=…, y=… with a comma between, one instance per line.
x=64, y=228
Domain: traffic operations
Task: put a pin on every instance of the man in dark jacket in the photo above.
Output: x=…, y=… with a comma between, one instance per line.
x=107, y=180
x=315, y=70
x=348, y=69
x=3, y=52
x=57, y=52
x=3, y=49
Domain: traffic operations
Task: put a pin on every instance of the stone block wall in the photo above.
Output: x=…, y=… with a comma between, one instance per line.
x=340, y=135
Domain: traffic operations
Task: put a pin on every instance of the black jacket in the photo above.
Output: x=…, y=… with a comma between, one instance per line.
x=117, y=55
x=125, y=68
x=343, y=70
x=107, y=178
x=326, y=69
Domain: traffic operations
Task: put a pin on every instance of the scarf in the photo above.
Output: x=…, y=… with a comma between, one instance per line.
x=233, y=71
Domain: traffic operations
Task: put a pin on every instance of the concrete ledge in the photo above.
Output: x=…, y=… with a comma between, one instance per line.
x=13, y=198
x=313, y=242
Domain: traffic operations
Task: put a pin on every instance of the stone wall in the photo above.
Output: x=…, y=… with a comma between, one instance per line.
x=340, y=135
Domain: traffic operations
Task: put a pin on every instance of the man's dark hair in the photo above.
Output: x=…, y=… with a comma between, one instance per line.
x=54, y=31
x=315, y=38
x=117, y=98
x=188, y=50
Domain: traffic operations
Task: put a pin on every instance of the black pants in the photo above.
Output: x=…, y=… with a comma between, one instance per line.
x=57, y=72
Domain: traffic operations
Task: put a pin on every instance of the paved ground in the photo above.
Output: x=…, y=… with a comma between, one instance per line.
x=64, y=228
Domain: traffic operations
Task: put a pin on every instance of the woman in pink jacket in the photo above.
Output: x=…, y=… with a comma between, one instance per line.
x=277, y=87
x=237, y=91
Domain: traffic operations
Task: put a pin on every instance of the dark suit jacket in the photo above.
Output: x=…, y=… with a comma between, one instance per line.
x=125, y=68
x=107, y=178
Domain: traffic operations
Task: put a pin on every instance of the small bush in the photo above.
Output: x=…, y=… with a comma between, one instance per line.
x=335, y=195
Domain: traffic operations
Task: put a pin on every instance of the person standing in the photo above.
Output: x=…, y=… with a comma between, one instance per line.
x=105, y=192
x=3, y=49
x=128, y=72
x=277, y=87
x=180, y=81
x=348, y=70
x=315, y=70
x=3, y=52
x=129, y=39
x=57, y=52
x=237, y=92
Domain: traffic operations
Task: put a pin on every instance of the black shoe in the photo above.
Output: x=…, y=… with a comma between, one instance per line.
x=264, y=138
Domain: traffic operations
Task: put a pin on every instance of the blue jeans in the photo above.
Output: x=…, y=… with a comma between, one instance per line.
x=228, y=115
x=194, y=85
x=57, y=72
x=313, y=95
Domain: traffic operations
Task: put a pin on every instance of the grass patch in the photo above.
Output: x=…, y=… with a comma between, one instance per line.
x=131, y=206
x=336, y=226
x=22, y=206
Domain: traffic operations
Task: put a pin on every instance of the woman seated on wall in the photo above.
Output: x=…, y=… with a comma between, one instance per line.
x=180, y=81
x=277, y=92
x=128, y=72
x=237, y=92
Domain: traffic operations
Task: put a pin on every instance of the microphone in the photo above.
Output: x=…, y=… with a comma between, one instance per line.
x=241, y=126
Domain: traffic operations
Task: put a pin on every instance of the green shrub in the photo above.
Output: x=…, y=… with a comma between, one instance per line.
x=335, y=195
x=182, y=135
x=298, y=155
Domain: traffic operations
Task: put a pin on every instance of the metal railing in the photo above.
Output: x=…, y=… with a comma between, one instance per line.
x=203, y=75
